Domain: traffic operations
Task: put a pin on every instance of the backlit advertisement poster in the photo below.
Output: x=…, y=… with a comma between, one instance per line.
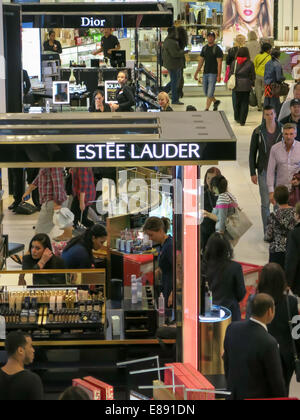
x=244, y=16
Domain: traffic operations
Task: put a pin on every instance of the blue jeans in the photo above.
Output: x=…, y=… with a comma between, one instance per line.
x=265, y=200
x=209, y=84
x=175, y=77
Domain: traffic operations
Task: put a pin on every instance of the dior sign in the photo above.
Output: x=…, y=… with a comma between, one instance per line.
x=90, y=22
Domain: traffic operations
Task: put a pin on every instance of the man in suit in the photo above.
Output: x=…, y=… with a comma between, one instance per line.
x=251, y=358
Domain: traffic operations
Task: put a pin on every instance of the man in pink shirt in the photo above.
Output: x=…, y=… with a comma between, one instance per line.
x=284, y=161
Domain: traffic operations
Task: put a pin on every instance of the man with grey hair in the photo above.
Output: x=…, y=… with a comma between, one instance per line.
x=252, y=362
x=284, y=161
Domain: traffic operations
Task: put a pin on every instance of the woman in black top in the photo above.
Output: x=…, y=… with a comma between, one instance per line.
x=124, y=95
x=52, y=44
x=41, y=257
x=273, y=282
x=224, y=276
x=244, y=71
x=208, y=226
x=164, y=102
x=98, y=104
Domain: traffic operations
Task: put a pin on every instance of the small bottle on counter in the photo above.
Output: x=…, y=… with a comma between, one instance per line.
x=139, y=289
x=208, y=299
x=161, y=310
x=134, y=298
x=47, y=107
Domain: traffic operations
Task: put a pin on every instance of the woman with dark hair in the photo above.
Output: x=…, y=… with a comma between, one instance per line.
x=157, y=230
x=208, y=226
x=225, y=206
x=98, y=103
x=74, y=393
x=183, y=40
x=272, y=281
x=124, y=95
x=224, y=276
x=51, y=44
x=79, y=251
x=273, y=74
x=243, y=68
x=41, y=257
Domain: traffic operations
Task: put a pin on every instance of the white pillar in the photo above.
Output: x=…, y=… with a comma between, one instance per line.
x=2, y=65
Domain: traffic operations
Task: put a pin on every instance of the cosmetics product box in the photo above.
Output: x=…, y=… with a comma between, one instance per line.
x=107, y=391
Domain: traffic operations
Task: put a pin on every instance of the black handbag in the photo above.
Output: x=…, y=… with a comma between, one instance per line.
x=26, y=209
x=296, y=357
x=252, y=98
x=280, y=89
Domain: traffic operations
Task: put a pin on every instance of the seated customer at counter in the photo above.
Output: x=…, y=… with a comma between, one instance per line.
x=52, y=45
x=79, y=251
x=98, y=103
x=41, y=257
x=164, y=102
x=157, y=230
x=124, y=95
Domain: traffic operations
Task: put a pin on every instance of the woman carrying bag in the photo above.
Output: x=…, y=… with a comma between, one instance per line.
x=244, y=72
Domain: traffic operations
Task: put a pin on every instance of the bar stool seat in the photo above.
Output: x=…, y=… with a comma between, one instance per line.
x=15, y=248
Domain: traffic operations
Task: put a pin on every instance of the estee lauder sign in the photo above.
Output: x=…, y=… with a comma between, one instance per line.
x=138, y=152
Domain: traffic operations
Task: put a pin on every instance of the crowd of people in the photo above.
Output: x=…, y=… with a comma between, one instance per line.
x=255, y=366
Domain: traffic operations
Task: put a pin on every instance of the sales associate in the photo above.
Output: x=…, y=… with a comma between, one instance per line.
x=124, y=95
x=109, y=43
x=52, y=44
x=157, y=230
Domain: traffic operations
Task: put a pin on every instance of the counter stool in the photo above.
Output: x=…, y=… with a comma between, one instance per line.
x=13, y=248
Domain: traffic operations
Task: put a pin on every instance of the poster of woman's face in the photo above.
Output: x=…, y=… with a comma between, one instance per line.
x=244, y=16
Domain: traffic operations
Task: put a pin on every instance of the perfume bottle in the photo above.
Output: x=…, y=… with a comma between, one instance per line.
x=296, y=33
x=287, y=34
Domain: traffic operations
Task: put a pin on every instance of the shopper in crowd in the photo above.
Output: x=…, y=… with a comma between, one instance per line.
x=212, y=58
x=124, y=95
x=98, y=102
x=74, y=393
x=240, y=17
x=174, y=61
x=260, y=62
x=272, y=281
x=208, y=226
x=243, y=68
x=263, y=139
x=52, y=44
x=157, y=229
x=281, y=222
x=286, y=106
x=253, y=45
x=239, y=42
x=224, y=276
x=51, y=186
x=182, y=38
x=292, y=259
x=79, y=251
x=273, y=74
x=16, y=383
x=109, y=43
x=40, y=257
x=164, y=102
x=84, y=194
x=16, y=176
x=294, y=116
x=252, y=361
x=225, y=206
x=284, y=161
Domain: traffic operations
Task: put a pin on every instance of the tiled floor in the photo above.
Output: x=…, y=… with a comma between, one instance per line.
x=251, y=248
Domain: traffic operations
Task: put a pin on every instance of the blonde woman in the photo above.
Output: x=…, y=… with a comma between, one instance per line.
x=164, y=102
x=244, y=16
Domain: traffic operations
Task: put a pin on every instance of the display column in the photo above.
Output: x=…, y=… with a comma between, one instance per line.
x=2, y=65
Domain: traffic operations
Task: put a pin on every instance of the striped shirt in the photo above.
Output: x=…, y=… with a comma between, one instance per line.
x=225, y=207
x=83, y=182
